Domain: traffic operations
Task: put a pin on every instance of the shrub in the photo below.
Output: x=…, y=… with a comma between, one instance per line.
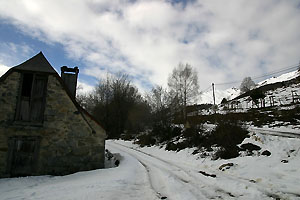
x=171, y=146
x=227, y=136
x=194, y=136
x=165, y=132
x=227, y=153
x=146, y=140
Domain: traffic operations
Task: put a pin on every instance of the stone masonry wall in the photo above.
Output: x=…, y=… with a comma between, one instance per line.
x=8, y=101
x=68, y=143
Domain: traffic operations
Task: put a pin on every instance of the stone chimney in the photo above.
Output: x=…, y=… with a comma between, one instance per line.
x=69, y=76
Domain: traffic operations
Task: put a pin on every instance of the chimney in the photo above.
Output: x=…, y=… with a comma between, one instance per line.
x=69, y=76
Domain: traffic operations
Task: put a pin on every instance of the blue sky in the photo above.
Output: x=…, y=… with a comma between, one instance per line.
x=146, y=39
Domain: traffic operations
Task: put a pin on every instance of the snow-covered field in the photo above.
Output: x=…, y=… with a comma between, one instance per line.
x=153, y=173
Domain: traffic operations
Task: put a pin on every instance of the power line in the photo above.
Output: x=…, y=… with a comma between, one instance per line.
x=268, y=74
x=276, y=72
x=206, y=90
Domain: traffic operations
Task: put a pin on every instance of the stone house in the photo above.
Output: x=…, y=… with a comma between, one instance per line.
x=43, y=130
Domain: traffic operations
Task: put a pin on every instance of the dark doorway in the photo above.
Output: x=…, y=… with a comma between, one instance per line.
x=23, y=155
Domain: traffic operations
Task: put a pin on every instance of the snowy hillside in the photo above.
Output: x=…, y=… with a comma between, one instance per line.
x=230, y=93
x=278, y=97
x=207, y=97
x=283, y=77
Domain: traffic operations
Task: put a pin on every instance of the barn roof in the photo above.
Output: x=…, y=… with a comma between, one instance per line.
x=37, y=63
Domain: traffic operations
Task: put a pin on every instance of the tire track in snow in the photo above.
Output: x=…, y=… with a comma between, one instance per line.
x=183, y=176
x=159, y=195
x=270, y=192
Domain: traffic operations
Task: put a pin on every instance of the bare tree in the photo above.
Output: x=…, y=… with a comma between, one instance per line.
x=158, y=98
x=117, y=104
x=247, y=84
x=183, y=85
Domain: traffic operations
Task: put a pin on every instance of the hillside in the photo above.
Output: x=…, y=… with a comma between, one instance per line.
x=234, y=92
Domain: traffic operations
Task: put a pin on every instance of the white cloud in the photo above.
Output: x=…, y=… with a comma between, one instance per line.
x=146, y=39
x=3, y=69
x=13, y=54
x=83, y=88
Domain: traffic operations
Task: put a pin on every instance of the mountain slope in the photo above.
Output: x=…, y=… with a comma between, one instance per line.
x=231, y=93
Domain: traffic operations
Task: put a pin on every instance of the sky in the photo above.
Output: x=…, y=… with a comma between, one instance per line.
x=224, y=41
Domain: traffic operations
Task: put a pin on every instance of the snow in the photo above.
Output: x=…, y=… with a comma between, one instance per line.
x=154, y=173
x=281, y=96
x=207, y=97
x=231, y=93
x=283, y=77
x=128, y=181
x=251, y=177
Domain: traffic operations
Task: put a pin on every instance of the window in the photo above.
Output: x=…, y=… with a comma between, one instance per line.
x=31, y=103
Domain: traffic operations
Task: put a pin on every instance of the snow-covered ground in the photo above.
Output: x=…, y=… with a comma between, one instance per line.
x=153, y=173
x=231, y=93
x=128, y=181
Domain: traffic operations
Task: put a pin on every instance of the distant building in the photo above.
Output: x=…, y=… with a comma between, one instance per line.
x=43, y=130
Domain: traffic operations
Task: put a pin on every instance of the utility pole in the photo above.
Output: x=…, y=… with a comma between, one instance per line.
x=213, y=89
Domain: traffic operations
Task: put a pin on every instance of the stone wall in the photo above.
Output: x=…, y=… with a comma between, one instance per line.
x=8, y=101
x=70, y=140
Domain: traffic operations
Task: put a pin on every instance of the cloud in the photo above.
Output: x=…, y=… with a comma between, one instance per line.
x=146, y=39
x=3, y=69
x=84, y=88
x=12, y=53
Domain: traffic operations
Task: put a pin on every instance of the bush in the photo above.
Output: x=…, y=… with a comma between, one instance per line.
x=194, y=136
x=227, y=153
x=146, y=140
x=127, y=136
x=171, y=146
x=165, y=132
x=227, y=136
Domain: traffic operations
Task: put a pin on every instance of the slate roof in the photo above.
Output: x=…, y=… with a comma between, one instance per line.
x=37, y=63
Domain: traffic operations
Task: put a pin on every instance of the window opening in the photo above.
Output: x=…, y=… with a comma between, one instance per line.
x=32, y=98
x=27, y=85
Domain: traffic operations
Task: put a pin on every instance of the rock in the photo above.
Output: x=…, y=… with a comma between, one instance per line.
x=225, y=166
x=266, y=153
x=206, y=174
x=250, y=147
